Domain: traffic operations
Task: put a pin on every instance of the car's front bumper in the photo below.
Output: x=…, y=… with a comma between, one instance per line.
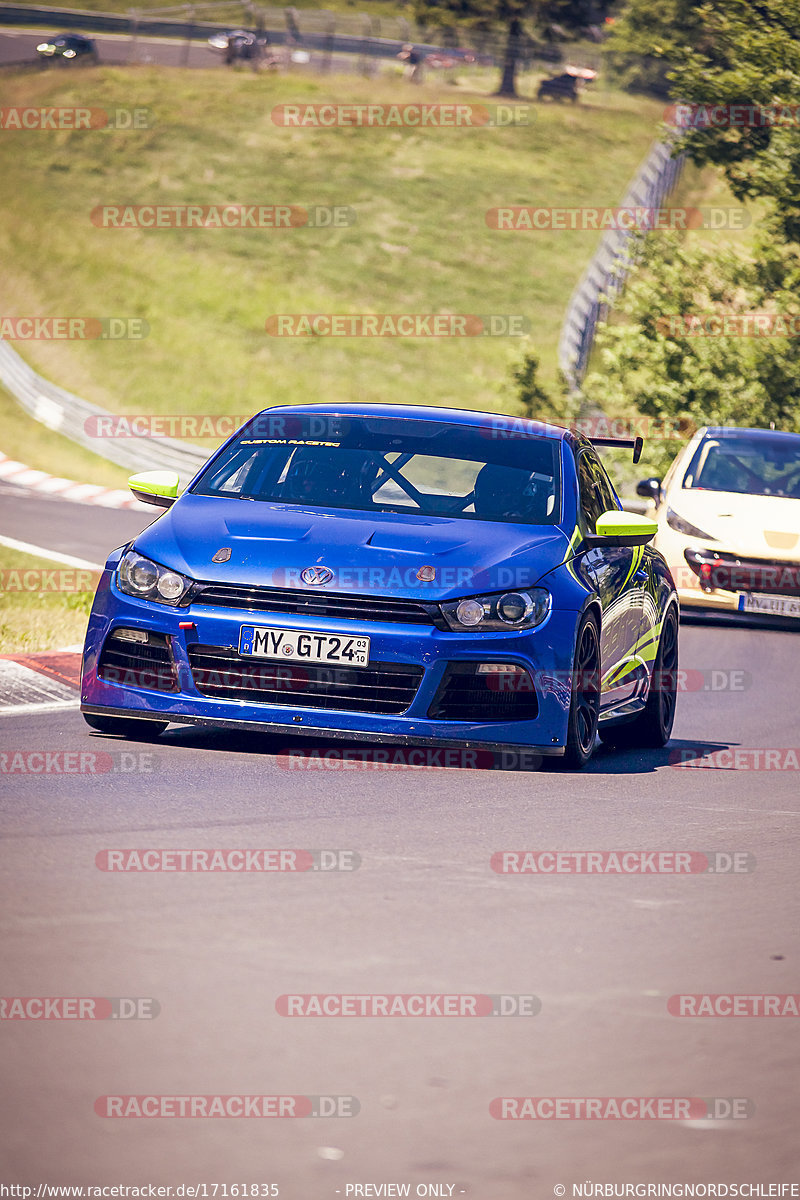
x=546, y=652
x=749, y=575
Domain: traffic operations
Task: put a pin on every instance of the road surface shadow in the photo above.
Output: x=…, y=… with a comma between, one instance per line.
x=303, y=752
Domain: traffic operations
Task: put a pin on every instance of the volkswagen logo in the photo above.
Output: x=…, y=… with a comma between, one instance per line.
x=316, y=575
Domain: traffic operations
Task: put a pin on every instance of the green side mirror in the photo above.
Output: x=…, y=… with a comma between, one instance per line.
x=619, y=528
x=155, y=487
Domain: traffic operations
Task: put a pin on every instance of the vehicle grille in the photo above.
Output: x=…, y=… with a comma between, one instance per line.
x=383, y=687
x=139, y=664
x=464, y=695
x=316, y=604
x=733, y=574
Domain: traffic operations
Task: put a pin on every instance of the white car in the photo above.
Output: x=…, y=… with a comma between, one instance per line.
x=728, y=514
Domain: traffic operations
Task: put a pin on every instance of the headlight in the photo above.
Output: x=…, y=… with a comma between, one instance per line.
x=502, y=611
x=138, y=576
x=680, y=526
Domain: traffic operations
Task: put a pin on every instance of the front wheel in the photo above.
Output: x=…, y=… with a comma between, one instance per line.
x=651, y=729
x=584, y=708
x=137, y=731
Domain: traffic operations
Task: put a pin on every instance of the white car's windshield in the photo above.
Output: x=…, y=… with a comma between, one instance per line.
x=761, y=465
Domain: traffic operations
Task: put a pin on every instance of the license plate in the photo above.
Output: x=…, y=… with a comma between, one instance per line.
x=775, y=606
x=292, y=645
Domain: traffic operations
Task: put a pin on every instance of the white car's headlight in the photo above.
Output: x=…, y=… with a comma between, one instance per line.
x=139, y=576
x=499, y=612
x=678, y=523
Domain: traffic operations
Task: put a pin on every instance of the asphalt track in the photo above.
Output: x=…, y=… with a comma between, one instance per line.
x=18, y=47
x=423, y=913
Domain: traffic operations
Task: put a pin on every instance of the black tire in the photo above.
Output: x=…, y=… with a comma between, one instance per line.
x=584, y=707
x=652, y=727
x=135, y=730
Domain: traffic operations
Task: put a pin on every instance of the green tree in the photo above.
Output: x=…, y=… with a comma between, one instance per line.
x=520, y=22
x=646, y=363
x=726, y=53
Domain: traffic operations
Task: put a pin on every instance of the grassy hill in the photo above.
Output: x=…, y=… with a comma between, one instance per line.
x=420, y=243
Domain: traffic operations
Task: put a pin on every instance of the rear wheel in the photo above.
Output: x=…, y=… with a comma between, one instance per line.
x=135, y=730
x=584, y=708
x=653, y=725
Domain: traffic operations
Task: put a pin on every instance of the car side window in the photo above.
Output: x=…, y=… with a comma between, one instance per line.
x=592, y=505
x=607, y=492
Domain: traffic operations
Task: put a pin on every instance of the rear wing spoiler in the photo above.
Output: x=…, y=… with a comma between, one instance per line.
x=636, y=444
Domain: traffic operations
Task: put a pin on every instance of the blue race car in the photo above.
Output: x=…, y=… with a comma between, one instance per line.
x=397, y=574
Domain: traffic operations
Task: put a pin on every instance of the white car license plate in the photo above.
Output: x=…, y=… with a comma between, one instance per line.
x=776, y=606
x=292, y=645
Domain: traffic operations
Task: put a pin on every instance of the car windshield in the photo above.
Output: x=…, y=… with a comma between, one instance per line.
x=766, y=465
x=389, y=464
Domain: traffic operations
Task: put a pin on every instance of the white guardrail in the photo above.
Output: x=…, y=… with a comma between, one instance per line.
x=605, y=276
x=69, y=415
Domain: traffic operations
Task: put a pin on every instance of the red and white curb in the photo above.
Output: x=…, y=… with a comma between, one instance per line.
x=66, y=489
x=39, y=683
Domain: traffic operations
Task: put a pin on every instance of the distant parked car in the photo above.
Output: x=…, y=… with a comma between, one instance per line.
x=566, y=86
x=68, y=47
x=240, y=45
